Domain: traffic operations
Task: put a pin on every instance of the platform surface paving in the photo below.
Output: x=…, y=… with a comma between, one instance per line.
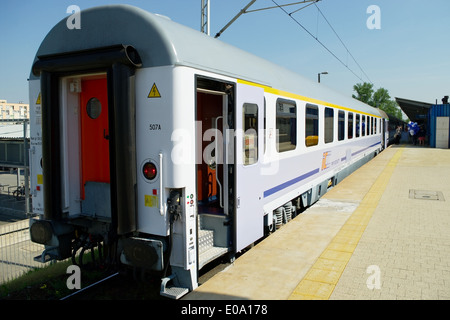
x=382, y=233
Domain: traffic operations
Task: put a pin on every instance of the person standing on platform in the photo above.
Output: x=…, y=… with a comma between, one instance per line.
x=421, y=136
x=413, y=130
x=398, y=134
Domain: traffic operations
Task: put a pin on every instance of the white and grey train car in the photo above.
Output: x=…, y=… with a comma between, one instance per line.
x=171, y=148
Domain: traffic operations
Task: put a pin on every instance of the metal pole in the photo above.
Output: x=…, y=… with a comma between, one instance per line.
x=205, y=13
x=235, y=18
x=318, y=75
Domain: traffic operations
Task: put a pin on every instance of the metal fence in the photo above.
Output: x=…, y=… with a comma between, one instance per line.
x=17, y=252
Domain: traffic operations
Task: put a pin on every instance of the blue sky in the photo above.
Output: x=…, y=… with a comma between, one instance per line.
x=408, y=55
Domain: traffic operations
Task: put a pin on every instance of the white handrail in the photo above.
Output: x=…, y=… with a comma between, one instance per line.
x=217, y=164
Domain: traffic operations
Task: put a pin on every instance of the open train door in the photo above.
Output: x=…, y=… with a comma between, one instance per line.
x=249, y=219
x=106, y=104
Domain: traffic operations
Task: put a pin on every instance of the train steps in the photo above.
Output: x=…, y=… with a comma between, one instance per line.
x=212, y=238
x=207, y=251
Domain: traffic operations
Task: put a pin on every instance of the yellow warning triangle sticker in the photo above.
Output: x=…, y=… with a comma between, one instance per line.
x=38, y=101
x=154, y=92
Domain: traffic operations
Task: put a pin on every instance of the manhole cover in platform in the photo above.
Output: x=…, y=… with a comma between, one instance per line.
x=426, y=195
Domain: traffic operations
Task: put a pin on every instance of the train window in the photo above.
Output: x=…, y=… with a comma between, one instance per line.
x=363, y=125
x=93, y=108
x=374, y=130
x=265, y=123
x=250, y=125
x=311, y=125
x=341, y=125
x=358, y=125
x=350, y=125
x=329, y=124
x=366, y=125
x=286, y=125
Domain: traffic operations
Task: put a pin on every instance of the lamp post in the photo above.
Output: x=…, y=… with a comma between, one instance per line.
x=318, y=75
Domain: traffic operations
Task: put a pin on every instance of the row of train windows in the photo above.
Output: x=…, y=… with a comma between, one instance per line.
x=286, y=120
x=286, y=126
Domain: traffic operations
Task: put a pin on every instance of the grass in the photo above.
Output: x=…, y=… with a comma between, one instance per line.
x=50, y=283
x=42, y=283
x=47, y=283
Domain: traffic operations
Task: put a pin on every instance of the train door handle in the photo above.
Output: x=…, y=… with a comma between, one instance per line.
x=106, y=136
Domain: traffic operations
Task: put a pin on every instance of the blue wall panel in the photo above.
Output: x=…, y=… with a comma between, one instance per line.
x=440, y=110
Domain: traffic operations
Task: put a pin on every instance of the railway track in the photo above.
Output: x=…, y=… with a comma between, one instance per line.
x=119, y=286
x=79, y=292
x=122, y=286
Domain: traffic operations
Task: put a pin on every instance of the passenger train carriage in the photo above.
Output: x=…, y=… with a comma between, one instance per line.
x=167, y=148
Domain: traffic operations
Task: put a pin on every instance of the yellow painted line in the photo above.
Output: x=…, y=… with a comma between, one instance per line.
x=321, y=279
x=300, y=97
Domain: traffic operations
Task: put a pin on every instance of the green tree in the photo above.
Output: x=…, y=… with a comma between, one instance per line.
x=379, y=99
x=364, y=92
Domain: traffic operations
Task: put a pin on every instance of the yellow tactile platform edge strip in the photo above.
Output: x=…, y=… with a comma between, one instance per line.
x=321, y=279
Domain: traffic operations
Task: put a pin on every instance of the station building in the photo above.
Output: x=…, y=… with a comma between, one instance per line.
x=13, y=134
x=10, y=110
x=434, y=117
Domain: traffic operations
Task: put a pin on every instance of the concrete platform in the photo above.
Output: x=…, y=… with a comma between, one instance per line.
x=382, y=233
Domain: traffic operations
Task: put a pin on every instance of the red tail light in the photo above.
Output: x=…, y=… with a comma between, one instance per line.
x=149, y=170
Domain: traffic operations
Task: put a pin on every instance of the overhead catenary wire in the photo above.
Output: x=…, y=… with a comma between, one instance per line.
x=342, y=42
x=245, y=10
x=316, y=37
x=284, y=5
x=322, y=44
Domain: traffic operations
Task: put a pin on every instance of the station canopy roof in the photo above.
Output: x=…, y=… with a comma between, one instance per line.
x=13, y=131
x=416, y=111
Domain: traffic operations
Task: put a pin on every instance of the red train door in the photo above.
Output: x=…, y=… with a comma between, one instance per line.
x=94, y=132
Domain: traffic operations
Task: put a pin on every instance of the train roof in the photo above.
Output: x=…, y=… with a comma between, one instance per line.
x=161, y=42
